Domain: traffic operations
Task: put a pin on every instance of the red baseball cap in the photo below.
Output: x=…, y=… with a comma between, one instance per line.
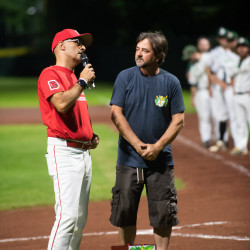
x=86, y=38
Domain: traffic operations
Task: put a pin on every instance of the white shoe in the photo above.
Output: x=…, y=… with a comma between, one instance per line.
x=219, y=146
x=245, y=152
x=237, y=151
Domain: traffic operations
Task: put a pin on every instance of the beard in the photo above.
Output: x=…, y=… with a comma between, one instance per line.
x=139, y=62
x=142, y=64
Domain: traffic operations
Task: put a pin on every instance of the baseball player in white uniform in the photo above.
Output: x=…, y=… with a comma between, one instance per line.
x=242, y=96
x=198, y=81
x=223, y=63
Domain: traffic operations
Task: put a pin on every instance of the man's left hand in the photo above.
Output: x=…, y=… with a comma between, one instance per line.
x=94, y=142
x=151, y=152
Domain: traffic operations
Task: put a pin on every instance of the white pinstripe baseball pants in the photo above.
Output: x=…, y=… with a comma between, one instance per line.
x=71, y=171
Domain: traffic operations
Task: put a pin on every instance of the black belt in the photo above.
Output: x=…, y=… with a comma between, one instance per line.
x=78, y=144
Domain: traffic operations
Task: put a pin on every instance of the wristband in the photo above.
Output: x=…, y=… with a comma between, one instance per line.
x=83, y=83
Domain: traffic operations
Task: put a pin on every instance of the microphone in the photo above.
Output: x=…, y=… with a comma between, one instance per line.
x=85, y=61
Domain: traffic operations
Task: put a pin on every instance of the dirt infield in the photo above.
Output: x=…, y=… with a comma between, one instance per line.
x=214, y=208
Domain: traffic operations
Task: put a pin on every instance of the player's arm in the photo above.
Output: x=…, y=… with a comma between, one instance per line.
x=152, y=151
x=208, y=72
x=232, y=83
x=193, y=90
x=216, y=80
x=63, y=101
x=212, y=78
x=193, y=82
x=125, y=130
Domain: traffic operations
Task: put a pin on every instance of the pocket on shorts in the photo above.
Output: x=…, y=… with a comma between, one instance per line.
x=114, y=205
x=173, y=192
x=163, y=210
x=172, y=207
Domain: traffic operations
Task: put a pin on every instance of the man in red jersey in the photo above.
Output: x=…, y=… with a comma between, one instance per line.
x=64, y=111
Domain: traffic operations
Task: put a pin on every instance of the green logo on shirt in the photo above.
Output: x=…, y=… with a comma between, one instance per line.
x=161, y=101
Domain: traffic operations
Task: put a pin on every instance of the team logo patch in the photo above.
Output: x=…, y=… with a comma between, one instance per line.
x=53, y=84
x=161, y=101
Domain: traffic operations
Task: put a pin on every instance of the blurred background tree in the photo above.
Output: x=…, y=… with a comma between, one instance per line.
x=21, y=22
x=115, y=24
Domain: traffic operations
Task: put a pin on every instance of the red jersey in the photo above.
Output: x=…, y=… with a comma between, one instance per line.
x=75, y=124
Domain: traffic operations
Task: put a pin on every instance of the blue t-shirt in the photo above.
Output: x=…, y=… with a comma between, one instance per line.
x=148, y=105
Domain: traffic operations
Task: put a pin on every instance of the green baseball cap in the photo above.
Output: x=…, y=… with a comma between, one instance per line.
x=222, y=32
x=242, y=41
x=188, y=51
x=232, y=35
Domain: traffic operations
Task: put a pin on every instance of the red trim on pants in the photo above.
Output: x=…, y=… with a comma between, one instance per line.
x=59, y=199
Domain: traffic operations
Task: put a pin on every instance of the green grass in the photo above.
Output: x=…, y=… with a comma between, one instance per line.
x=187, y=102
x=24, y=178
x=20, y=92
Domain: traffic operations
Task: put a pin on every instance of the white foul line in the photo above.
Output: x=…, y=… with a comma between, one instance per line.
x=216, y=237
x=201, y=224
x=204, y=151
x=24, y=239
x=150, y=232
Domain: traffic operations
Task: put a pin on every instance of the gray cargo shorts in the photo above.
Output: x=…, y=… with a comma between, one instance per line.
x=161, y=195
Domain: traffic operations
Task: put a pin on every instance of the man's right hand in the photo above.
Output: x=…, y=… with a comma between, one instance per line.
x=140, y=148
x=88, y=73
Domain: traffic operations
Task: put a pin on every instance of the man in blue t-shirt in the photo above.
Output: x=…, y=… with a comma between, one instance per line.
x=148, y=111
